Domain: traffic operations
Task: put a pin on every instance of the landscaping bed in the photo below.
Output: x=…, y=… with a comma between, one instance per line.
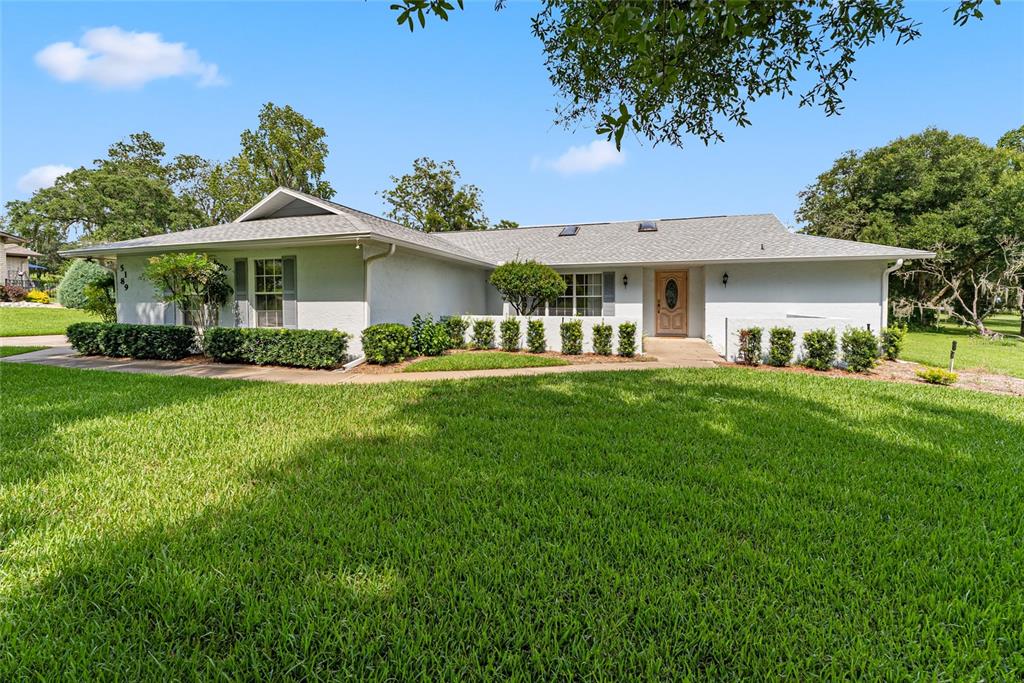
x=483, y=359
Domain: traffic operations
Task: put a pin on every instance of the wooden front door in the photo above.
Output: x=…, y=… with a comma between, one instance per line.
x=670, y=299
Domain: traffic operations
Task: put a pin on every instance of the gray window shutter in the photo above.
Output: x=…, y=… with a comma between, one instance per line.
x=241, y=292
x=291, y=309
x=608, y=293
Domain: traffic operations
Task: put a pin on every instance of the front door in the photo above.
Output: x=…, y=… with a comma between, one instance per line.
x=670, y=298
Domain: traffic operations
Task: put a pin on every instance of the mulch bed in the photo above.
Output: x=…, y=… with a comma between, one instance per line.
x=581, y=359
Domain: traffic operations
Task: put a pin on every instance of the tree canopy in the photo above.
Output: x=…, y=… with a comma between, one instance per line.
x=667, y=69
x=937, y=191
x=527, y=285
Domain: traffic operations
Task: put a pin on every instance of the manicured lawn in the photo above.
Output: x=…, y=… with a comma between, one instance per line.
x=26, y=322
x=718, y=524
x=15, y=350
x=482, y=360
x=1005, y=356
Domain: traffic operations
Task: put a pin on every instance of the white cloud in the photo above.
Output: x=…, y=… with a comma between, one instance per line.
x=113, y=58
x=41, y=176
x=596, y=156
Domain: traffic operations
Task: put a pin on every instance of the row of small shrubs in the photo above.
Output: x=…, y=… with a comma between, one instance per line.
x=160, y=342
x=317, y=349
x=258, y=346
x=861, y=349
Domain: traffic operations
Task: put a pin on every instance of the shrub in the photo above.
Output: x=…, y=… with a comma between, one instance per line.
x=780, y=346
x=511, y=333
x=317, y=349
x=99, y=298
x=602, y=339
x=536, y=339
x=937, y=376
x=456, y=327
x=527, y=285
x=386, y=343
x=819, y=349
x=572, y=337
x=13, y=293
x=37, y=297
x=429, y=338
x=860, y=349
x=483, y=334
x=750, y=346
x=195, y=283
x=893, y=338
x=627, y=339
x=71, y=290
x=161, y=342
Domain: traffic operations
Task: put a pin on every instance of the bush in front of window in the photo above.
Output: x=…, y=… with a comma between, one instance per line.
x=527, y=285
x=387, y=343
x=602, y=339
x=860, y=349
x=429, y=338
x=819, y=349
x=750, y=346
x=572, y=337
x=316, y=349
x=536, y=338
x=483, y=334
x=511, y=334
x=780, y=346
x=456, y=327
x=627, y=339
x=159, y=342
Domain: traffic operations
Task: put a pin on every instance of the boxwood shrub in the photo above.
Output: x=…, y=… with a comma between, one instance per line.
x=780, y=346
x=317, y=349
x=860, y=349
x=429, y=338
x=386, y=343
x=893, y=338
x=536, y=339
x=627, y=339
x=511, y=334
x=750, y=346
x=819, y=349
x=159, y=342
x=572, y=337
x=483, y=334
x=602, y=336
x=456, y=327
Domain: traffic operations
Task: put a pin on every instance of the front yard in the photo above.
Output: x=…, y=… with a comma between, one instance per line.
x=1005, y=356
x=663, y=524
x=32, y=321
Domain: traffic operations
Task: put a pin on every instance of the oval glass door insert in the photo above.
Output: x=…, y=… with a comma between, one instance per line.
x=671, y=293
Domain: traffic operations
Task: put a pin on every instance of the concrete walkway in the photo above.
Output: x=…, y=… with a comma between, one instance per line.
x=678, y=353
x=39, y=340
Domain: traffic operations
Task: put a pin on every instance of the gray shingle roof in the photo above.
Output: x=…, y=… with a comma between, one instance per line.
x=713, y=238
x=678, y=240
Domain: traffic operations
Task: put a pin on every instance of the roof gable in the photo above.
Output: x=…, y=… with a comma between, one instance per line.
x=285, y=203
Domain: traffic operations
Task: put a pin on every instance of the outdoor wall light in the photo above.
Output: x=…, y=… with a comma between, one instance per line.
x=725, y=279
x=625, y=281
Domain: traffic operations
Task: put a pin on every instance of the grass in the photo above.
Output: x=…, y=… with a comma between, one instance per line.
x=1004, y=357
x=6, y=351
x=482, y=360
x=27, y=322
x=715, y=524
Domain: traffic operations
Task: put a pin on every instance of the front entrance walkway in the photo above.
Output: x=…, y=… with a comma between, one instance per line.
x=38, y=340
x=674, y=353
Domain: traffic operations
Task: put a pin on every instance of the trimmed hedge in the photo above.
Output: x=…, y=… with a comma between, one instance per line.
x=536, y=339
x=819, y=349
x=160, y=342
x=893, y=338
x=750, y=346
x=387, y=343
x=317, y=349
x=602, y=336
x=511, y=334
x=627, y=339
x=572, y=337
x=483, y=334
x=860, y=349
x=429, y=338
x=456, y=327
x=780, y=346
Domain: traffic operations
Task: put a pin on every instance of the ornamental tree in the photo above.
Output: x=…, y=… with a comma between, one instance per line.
x=527, y=285
x=196, y=283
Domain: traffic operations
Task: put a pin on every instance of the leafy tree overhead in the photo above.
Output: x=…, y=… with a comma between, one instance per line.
x=527, y=285
x=937, y=191
x=286, y=150
x=667, y=69
x=430, y=199
x=196, y=283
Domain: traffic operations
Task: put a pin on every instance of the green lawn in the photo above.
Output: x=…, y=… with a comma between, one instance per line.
x=26, y=322
x=1005, y=356
x=15, y=350
x=482, y=360
x=716, y=524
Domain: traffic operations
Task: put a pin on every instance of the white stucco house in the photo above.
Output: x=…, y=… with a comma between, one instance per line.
x=300, y=261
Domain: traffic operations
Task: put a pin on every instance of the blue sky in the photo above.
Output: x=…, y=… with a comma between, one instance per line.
x=474, y=90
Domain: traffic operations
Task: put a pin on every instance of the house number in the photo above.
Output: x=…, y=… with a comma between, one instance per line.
x=124, y=277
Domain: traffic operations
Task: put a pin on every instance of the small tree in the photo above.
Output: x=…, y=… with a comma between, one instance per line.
x=197, y=283
x=527, y=285
x=99, y=298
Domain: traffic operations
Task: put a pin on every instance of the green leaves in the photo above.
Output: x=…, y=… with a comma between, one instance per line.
x=413, y=11
x=527, y=285
x=430, y=199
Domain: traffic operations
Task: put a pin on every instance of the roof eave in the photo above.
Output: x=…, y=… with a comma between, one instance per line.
x=730, y=261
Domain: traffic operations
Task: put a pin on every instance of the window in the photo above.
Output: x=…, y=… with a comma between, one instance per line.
x=583, y=295
x=269, y=291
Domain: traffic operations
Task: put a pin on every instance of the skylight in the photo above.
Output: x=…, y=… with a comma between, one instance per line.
x=569, y=231
x=647, y=226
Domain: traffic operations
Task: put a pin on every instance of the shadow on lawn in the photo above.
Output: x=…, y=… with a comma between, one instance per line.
x=611, y=525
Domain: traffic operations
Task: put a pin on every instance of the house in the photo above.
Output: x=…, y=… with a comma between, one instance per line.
x=300, y=261
x=14, y=266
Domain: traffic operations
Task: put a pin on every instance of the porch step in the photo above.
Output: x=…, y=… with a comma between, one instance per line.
x=680, y=349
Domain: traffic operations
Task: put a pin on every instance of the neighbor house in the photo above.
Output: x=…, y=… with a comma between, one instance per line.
x=298, y=261
x=15, y=268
